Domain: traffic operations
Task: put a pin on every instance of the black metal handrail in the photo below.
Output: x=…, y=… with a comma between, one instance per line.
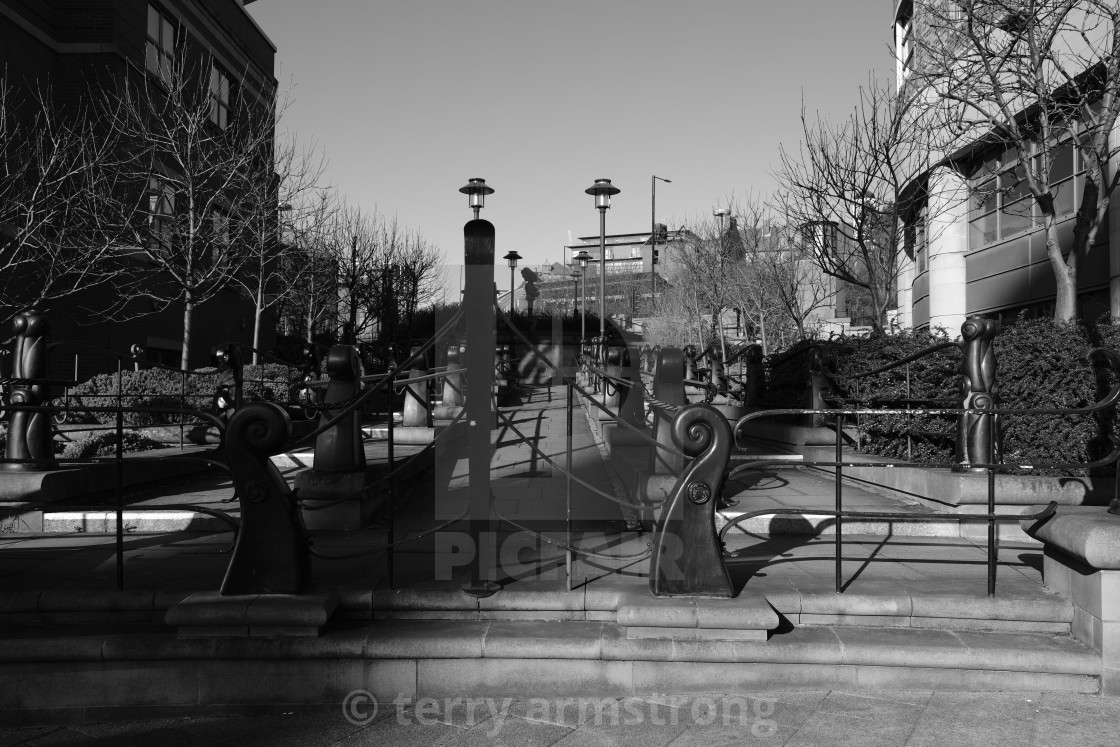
x=1112, y=359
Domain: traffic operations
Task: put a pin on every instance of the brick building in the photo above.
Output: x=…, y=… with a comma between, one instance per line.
x=70, y=45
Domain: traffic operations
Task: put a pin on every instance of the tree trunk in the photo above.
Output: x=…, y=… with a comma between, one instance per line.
x=188, y=309
x=1065, y=277
x=257, y=313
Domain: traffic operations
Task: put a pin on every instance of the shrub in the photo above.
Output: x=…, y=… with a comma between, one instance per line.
x=1040, y=364
x=787, y=376
x=931, y=380
x=105, y=444
x=161, y=388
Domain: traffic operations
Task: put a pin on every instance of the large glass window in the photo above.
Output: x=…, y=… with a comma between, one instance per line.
x=161, y=210
x=159, y=53
x=219, y=97
x=1001, y=205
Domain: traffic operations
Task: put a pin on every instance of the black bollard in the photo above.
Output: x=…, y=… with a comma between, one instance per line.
x=978, y=436
x=29, y=433
x=478, y=305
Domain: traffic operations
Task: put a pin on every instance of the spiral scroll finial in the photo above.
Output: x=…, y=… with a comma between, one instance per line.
x=260, y=428
x=687, y=558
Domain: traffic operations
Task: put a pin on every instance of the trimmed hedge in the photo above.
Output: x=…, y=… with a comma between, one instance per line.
x=933, y=380
x=1040, y=364
x=105, y=445
x=157, y=387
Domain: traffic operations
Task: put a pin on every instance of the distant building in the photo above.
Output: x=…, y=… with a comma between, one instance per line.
x=69, y=44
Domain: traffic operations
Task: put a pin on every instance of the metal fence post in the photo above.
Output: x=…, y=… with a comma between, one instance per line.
x=29, y=432
x=978, y=439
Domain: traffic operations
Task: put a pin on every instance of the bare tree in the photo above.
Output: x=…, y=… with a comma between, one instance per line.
x=353, y=238
x=272, y=215
x=414, y=279
x=845, y=187
x=1039, y=80
x=187, y=159
x=54, y=176
x=781, y=284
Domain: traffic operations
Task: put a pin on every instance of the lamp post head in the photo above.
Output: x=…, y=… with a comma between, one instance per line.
x=583, y=257
x=476, y=191
x=602, y=190
x=512, y=258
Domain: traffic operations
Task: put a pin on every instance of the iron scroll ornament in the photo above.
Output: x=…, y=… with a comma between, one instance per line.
x=271, y=554
x=687, y=558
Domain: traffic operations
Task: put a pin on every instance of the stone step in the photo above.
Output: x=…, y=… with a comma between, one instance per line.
x=767, y=604
x=141, y=522
x=147, y=666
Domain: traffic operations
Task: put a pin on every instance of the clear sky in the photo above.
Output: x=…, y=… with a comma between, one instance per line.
x=411, y=98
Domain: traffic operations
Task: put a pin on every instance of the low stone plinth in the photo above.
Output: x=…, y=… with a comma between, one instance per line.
x=208, y=614
x=339, y=500
x=446, y=412
x=1082, y=563
x=413, y=435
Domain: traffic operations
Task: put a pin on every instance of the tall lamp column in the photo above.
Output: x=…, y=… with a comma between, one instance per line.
x=653, y=239
x=721, y=213
x=512, y=258
x=582, y=258
x=602, y=190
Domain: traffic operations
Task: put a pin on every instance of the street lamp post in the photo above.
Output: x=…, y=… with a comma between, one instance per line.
x=720, y=213
x=574, y=275
x=512, y=258
x=602, y=190
x=653, y=238
x=582, y=257
x=476, y=191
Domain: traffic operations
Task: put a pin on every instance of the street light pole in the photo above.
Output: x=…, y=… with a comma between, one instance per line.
x=721, y=213
x=653, y=239
x=582, y=257
x=602, y=190
x=574, y=275
x=512, y=258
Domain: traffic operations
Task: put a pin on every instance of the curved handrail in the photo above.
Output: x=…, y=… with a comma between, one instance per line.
x=587, y=395
x=368, y=393
x=1045, y=513
x=321, y=505
x=641, y=507
x=830, y=373
x=1111, y=357
x=246, y=346
x=126, y=357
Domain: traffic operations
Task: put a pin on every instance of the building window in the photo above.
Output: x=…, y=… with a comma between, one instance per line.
x=219, y=250
x=610, y=254
x=219, y=97
x=159, y=55
x=904, y=50
x=920, y=239
x=161, y=210
x=1002, y=206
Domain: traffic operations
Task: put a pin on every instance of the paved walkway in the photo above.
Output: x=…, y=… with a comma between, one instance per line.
x=825, y=718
